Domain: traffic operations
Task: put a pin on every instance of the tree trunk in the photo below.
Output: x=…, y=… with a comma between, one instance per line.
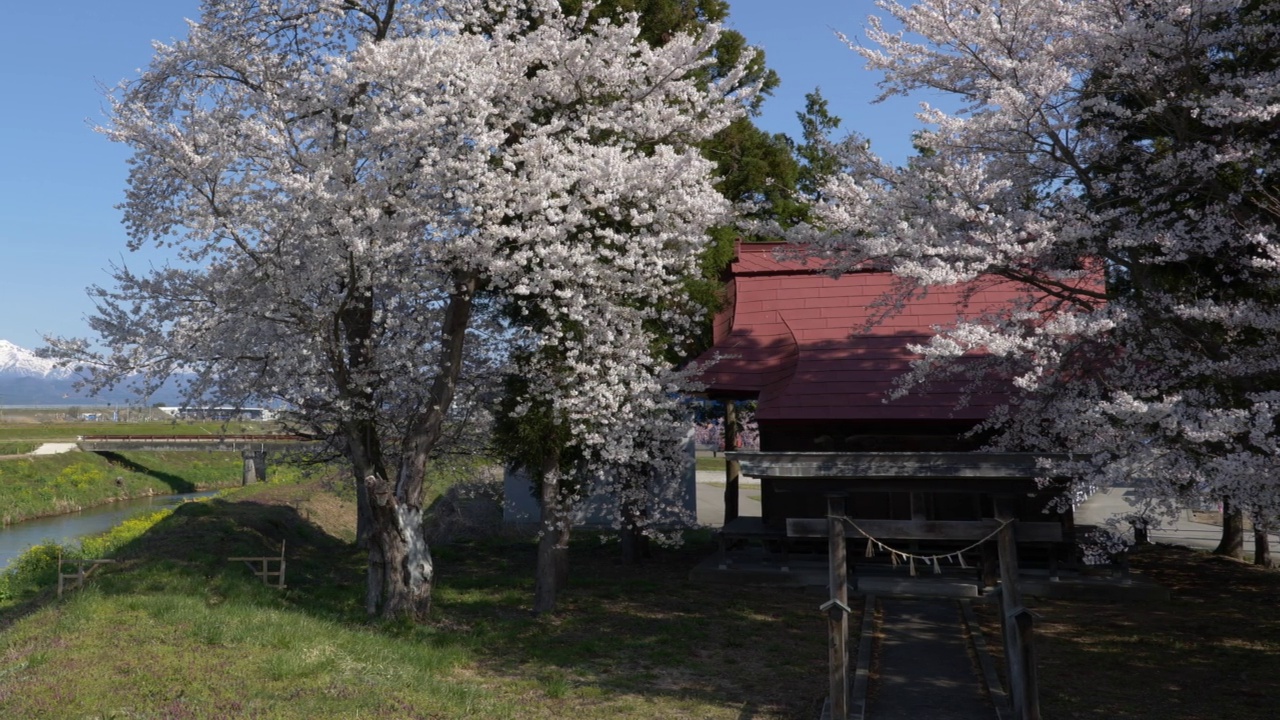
x=635, y=544
x=552, y=572
x=1262, y=548
x=401, y=570
x=364, y=518
x=408, y=572
x=376, y=570
x=1232, y=543
x=1261, y=542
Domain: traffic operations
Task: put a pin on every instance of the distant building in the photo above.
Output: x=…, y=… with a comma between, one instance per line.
x=218, y=413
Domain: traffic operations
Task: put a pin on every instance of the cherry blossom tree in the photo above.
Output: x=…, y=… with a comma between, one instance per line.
x=538, y=438
x=361, y=194
x=1120, y=160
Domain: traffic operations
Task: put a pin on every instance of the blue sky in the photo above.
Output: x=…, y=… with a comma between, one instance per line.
x=60, y=231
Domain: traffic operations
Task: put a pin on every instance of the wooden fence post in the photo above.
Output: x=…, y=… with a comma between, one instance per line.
x=1015, y=620
x=1025, y=623
x=837, y=609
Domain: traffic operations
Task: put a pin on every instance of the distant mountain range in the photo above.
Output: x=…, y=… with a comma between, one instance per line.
x=28, y=380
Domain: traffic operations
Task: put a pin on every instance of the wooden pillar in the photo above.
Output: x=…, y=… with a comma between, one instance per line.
x=732, y=468
x=1015, y=620
x=837, y=609
x=989, y=570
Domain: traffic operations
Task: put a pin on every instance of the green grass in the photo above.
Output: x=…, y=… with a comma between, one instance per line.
x=1212, y=651
x=69, y=431
x=52, y=484
x=711, y=463
x=17, y=448
x=174, y=630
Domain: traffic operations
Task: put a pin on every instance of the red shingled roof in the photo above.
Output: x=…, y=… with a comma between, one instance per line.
x=799, y=340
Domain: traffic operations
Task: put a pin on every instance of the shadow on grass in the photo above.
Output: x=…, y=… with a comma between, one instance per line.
x=1213, y=650
x=637, y=633
x=175, y=482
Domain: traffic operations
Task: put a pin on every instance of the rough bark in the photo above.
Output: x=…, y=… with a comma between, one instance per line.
x=408, y=572
x=401, y=569
x=1262, y=549
x=635, y=544
x=364, y=518
x=552, y=573
x=1261, y=542
x=1232, y=542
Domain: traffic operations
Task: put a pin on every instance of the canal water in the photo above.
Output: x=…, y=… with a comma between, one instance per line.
x=16, y=538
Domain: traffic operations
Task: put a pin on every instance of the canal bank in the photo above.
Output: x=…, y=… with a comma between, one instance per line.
x=51, y=485
x=69, y=528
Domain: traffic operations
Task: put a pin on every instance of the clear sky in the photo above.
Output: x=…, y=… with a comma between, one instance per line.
x=60, y=230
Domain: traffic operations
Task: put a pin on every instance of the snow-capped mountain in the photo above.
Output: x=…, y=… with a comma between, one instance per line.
x=27, y=380
x=17, y=361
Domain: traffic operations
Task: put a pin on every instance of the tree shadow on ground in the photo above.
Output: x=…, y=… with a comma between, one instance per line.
x=620, y=631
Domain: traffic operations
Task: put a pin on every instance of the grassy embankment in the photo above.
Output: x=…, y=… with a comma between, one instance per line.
x=17, y=448
x=53, y=484
x=207, y=640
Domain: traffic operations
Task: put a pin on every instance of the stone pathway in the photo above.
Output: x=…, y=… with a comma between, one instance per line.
x=922, y=666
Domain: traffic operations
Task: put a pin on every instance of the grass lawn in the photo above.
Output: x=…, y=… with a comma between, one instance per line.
x=710, y=463
x=1213, y=651
x=175, y=631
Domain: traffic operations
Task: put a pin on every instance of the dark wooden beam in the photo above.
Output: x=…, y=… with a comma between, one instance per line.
x=854, y=465
x=964, y=530
x=966, y=486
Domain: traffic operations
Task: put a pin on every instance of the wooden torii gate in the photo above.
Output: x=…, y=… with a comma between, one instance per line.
x=1002, y=476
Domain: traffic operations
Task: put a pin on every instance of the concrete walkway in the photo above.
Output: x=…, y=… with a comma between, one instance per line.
x=54, y=448
x=923, y=668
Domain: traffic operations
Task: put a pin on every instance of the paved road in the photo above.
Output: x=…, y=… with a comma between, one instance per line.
x=711, y=498
x=1114, y=502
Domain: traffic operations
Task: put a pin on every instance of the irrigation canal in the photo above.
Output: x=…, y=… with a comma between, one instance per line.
x=16, y=538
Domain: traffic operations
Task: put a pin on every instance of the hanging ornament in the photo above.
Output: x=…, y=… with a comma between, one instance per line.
x=912, y=560
x=937, y=569
x=871, y=548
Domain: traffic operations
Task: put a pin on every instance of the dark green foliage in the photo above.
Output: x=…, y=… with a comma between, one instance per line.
x=818, y=160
